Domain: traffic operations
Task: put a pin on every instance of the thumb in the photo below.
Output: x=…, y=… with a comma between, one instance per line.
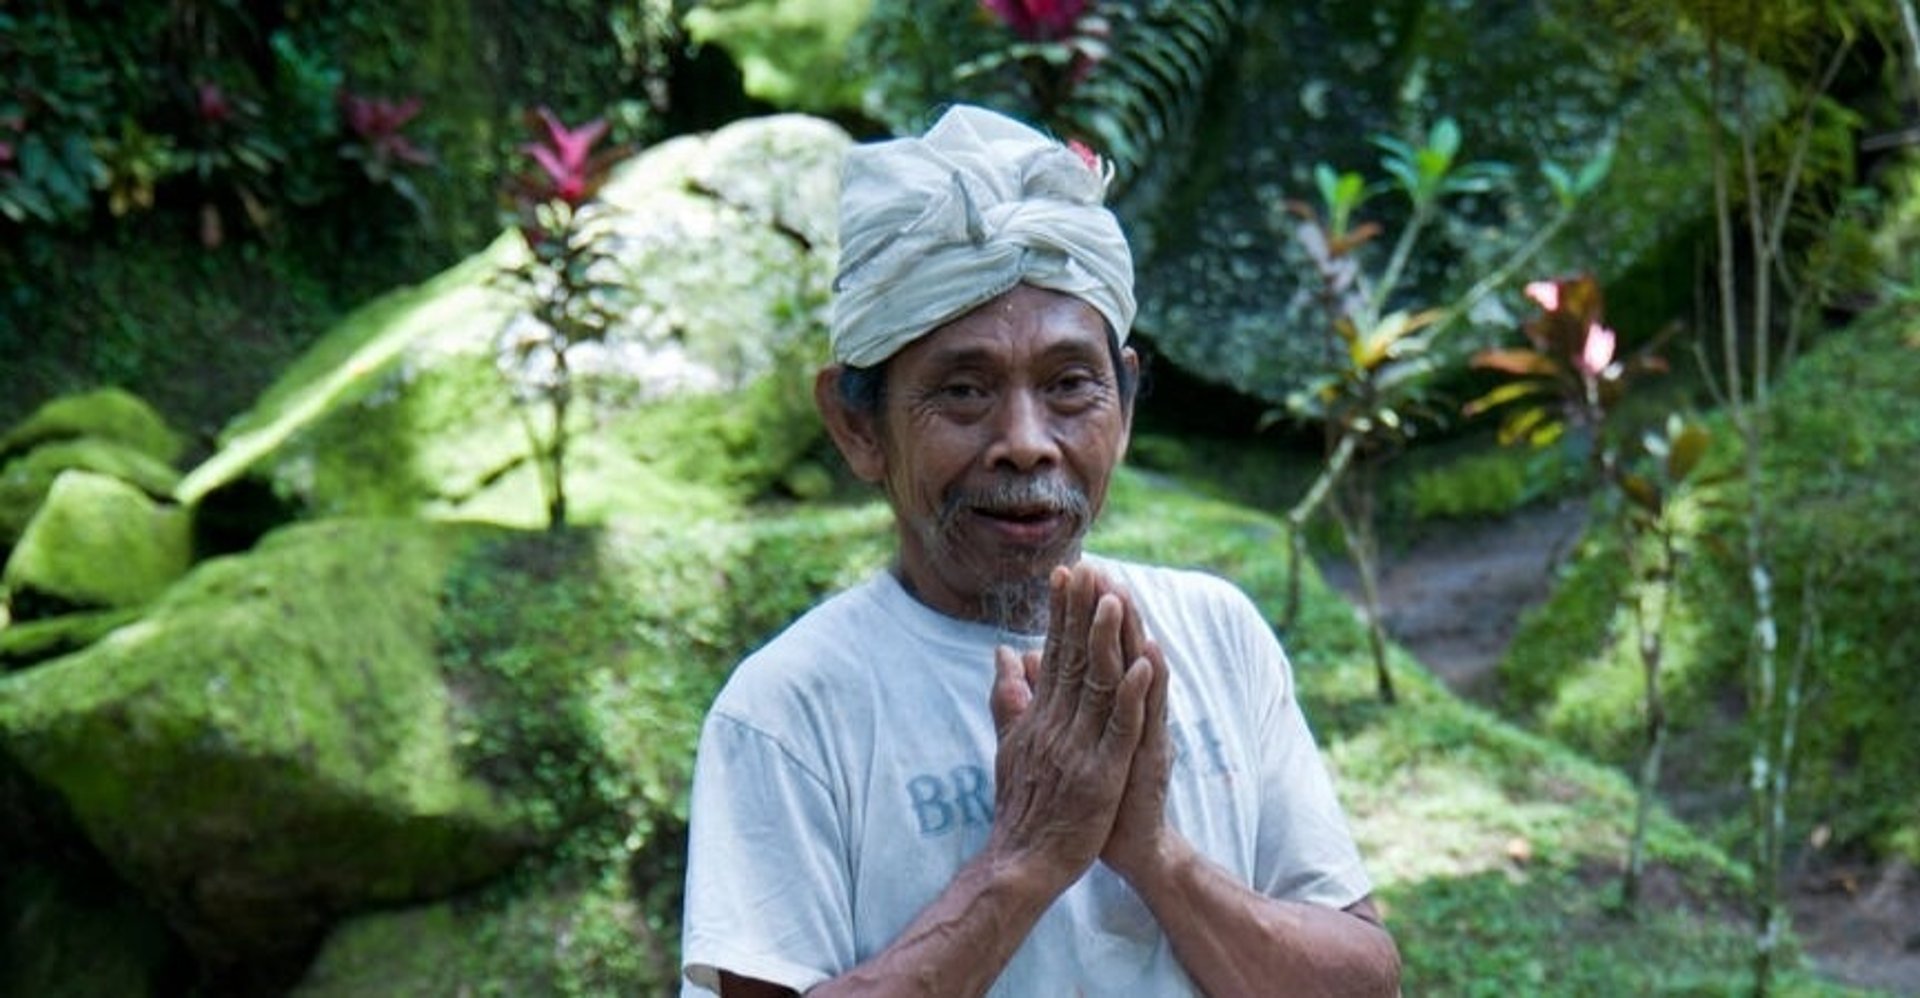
x=1012, y=691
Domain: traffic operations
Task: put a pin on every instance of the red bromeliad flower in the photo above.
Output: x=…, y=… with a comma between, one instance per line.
x=1086, y=154
x=377, y=123
x=1037, y=20
x=573, y=173
x=211, y=103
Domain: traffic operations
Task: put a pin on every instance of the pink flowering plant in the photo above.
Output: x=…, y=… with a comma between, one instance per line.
x=1570, y=375
x=1383, y=349
x=232, y=156
x=570, y=281
x=373, y=136
x=1573, y=376
x=1054, y=46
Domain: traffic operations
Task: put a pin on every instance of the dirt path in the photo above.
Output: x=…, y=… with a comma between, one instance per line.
x=1453, y=598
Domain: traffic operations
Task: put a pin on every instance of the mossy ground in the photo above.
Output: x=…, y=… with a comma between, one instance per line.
x=1843, y=454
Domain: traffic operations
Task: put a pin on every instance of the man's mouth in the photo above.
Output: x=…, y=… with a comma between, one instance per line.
x=1022, y=512
x=1029, y=526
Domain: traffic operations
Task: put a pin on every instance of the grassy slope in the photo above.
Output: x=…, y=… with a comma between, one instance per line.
x=1493, y=849
x=1843, y=457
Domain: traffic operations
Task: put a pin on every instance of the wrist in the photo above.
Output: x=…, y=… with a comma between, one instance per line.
x=1026, y=874
x=1159, y=866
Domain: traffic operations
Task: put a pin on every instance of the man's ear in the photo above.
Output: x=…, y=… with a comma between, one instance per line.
x=855, y=433
x=1132, y=361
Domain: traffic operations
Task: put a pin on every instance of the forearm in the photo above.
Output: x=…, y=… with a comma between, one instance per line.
x=1234, y=941
x=961, y=942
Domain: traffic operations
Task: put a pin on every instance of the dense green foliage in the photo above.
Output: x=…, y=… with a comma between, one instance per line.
x=1847, y=448
x=268, y=206
x=492, y=729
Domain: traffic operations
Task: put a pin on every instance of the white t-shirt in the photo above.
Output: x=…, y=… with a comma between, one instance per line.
x=845, y=774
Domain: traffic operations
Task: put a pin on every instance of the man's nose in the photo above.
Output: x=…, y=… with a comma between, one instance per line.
x=1024, y=434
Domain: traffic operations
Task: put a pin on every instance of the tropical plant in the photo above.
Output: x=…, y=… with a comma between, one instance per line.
x=52, y=92
x=1570, y=378
x=232, y=154
x=1056, y=46
x=569, y=280
x=1774, y=174
x=132, y=165
x=1374, y=386
x=375, y=139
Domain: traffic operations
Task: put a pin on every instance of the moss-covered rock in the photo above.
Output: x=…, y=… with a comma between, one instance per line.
x=95, y=543
x=24, y=644
x=700, y=400
x=274, y=742
x=537, y=934
x=791, y=53
x=107, y=414
x=26, y=477
x=1226, y=292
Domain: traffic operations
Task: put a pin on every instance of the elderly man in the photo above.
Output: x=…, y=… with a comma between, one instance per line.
x=1002, y=766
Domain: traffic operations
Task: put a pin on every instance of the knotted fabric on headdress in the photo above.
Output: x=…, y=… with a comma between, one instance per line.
x=932, y=227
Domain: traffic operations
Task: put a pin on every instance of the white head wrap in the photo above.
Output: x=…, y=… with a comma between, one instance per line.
x=932, y=227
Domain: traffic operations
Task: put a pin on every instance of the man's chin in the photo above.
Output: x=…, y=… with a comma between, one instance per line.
x=1018, y=605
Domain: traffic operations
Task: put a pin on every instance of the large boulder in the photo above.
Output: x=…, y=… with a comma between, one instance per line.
x=274, y=743
x=700, y=399
x=27, y=472
x=95, y=543
x=107, y=414
x=1227, y=292
x=1216, y=113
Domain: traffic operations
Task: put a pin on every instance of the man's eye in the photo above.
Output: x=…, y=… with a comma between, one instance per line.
x=960, y=391
x=1076, y=383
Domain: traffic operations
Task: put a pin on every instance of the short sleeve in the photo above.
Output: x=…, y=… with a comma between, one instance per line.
x=768, y=892
x=1304, y=850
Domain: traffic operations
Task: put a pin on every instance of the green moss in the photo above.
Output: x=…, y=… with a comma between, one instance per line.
x=1843, y=456
x=349, y=363
x=1555, y=640
x=1487, y=483
x=791, y=53
x=96, y=542
x=277, y=717
x=537, y=933
x=26, y=478
x=1551, y=933
x=36, y=641
x=108, y=414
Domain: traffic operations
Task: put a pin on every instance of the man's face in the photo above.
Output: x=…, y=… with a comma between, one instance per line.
x=996, y=440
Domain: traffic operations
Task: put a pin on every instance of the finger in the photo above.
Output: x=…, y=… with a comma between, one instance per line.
x=1127, y=721
x=1057, y=582
x=1105, y=667
x=1011, y=693
x=1133, y=640
x=1067, y=647
x=1154, y=738
x=1031, y=661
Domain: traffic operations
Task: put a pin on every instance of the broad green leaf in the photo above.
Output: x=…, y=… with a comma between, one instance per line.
x=1548, y=432
x=1504, y=394
x=1444, y=139
x=1641, y=491
x=1595, y=171
x=1688, y=448
x=1521, y=425
x=1559, y=182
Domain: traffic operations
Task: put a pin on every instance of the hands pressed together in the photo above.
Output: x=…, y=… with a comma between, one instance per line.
x=1084, y=754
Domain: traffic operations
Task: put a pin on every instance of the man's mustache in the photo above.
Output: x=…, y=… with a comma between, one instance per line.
x=1028, y=495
